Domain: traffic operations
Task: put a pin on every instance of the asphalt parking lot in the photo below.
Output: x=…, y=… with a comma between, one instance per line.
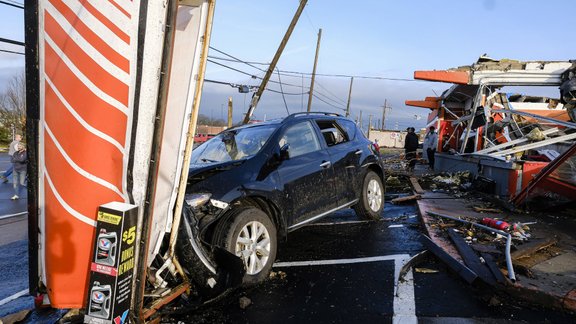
x=343, y=270
x=340, y=270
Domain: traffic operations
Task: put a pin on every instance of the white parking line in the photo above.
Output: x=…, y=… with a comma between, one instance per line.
x=13, y=215
x=15, y=296
x=404, y=301
x=395, y=226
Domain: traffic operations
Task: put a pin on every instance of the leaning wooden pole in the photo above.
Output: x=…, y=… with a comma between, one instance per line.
x=349, y=96
x=258, y=94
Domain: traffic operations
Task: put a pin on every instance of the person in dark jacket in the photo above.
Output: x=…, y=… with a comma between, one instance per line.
x=410, y=148
x=19, y=160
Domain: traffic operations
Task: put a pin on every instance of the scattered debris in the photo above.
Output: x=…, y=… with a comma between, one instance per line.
x=486, y=210
x=15, y=318
x=279, y=274
x=244, y=302
x=425, y=270
x=393, y=182
x=406, y=199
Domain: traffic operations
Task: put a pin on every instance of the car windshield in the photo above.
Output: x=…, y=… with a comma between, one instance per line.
x=234, y=144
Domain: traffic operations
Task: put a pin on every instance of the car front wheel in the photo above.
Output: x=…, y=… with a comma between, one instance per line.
x=372, y=197
x=250, y=235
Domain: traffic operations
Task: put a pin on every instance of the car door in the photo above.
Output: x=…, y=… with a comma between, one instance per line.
x=306, y=174
x=345, y=157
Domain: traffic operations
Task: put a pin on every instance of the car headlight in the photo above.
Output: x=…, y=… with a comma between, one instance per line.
x=197, y=199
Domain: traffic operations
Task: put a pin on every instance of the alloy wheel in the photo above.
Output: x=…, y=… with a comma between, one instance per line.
x=253, y=246
x=374, y=195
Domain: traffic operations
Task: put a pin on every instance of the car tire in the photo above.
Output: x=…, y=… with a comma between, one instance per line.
x=249, y=234
x=371, y=198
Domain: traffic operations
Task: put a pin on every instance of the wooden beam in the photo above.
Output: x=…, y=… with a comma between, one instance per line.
x=406, y=199
x=458, y=77
x=417, y=188
x=159, y=303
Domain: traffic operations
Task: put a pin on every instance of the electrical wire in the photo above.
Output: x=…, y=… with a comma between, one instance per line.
x=239, y=60
x=327, y=98
x=251, y=75
x=233, y=85
x=284, y=72
x=329, y=104
x=335, y=96
x=283, y=97
x=12, y=52
x=12, y=4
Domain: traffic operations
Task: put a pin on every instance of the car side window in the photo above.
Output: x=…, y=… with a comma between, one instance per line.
x=332, y=133
x=301, y=139
x=349, y=127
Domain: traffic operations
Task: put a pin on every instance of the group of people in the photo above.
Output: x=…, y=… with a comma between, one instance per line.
x=428, y=147
x=19, y=160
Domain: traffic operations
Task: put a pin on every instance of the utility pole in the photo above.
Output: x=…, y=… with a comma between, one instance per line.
x=384, y=108
x=229, y=112
x=314, y=71
x=349, y=95
x=258, y=93
x=369, y=125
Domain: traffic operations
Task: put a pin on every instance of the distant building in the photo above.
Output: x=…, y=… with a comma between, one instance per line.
x=391, y=138
x=205, y=132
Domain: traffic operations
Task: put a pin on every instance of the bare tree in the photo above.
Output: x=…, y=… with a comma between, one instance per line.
x=13, y=108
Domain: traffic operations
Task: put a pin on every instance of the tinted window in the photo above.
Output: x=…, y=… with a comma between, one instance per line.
x=301, y=139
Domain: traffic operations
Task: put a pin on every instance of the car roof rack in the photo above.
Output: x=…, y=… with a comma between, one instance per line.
x=294, y=115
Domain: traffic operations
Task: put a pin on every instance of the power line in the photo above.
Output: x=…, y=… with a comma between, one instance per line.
x=11, y=52
x=10, y=41
x=329, y=104
x=333, y=95
x=327, y=98
x=282, y=90
x=284, y=72
x=254, y=87
x=251, y=75
x=237, y=59
x=13, y=4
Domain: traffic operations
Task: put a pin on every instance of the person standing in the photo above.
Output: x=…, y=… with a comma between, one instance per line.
x=19, y=160
x=430, y=143
x=410, y=148
x=11, y=149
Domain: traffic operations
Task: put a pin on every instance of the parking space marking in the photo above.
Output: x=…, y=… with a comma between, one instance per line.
x=395, y=226
x=13, y=215
x=15, y=296
x=404, y=301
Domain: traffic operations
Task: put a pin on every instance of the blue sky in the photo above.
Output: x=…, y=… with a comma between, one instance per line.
x=379, y=38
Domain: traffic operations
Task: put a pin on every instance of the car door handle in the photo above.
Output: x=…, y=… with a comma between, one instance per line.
x=358, y=152
x=325, y=164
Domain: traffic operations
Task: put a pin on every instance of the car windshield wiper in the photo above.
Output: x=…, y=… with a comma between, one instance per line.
x=207, y=160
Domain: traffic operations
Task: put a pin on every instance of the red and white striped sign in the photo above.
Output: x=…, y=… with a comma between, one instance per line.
x=87, y=53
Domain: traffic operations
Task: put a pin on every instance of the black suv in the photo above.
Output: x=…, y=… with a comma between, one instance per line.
x=251, y=185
